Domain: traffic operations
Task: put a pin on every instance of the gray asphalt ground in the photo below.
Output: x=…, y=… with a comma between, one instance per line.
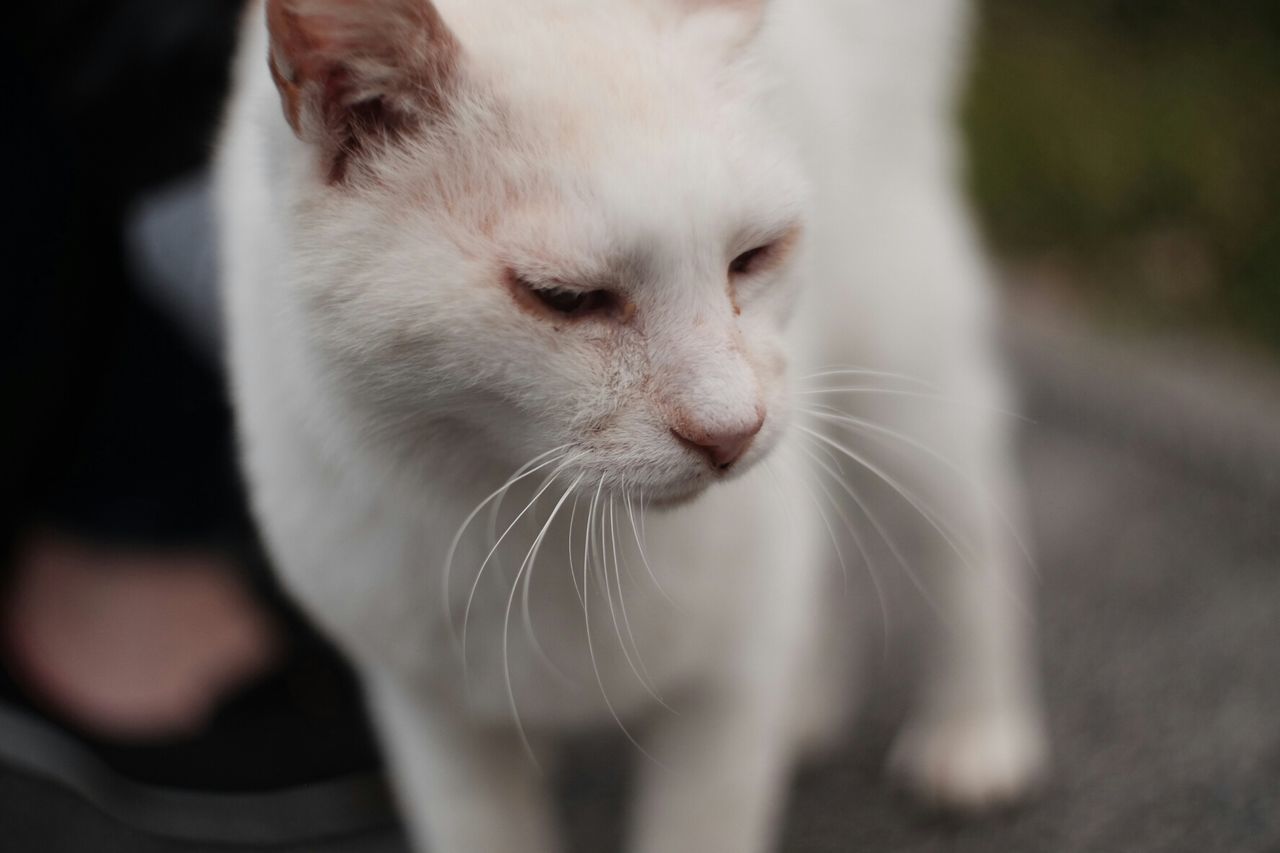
x=1155, y=499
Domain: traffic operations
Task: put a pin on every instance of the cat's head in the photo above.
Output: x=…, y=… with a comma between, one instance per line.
x=564, y=223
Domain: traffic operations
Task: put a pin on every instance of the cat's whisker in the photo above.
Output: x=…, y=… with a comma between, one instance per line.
x=525, y=570
x=831, y=533
x=466, y=613
x=531, y=559
x=586, y=615
x=643, y=511
x=573, y=575
x=777, y=491
x=869, y=373
x=447, y=570
x=495, y=511
x=607, y=547
x=588, y=527
x=871, y=390
x=942, y=527
x=626, y=563
x=587, y=537
x=879, y=528
x=833, y=415
x=867, y=562
x=636, y=532
x=960, y=544
x=643, y=673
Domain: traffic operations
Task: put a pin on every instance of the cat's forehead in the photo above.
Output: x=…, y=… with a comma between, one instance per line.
x=611, y=133
x=576, y=68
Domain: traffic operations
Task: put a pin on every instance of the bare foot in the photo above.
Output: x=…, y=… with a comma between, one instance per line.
x=131, y=643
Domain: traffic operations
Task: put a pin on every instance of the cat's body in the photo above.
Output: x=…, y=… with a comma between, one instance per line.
x=394, y=367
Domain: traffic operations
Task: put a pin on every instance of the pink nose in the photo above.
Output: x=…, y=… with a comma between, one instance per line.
x=721, y=447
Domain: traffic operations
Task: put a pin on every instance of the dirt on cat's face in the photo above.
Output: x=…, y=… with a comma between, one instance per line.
x=586, y=237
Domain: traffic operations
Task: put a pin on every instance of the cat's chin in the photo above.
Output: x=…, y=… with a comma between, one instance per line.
x=677, y=500
x=679, y=494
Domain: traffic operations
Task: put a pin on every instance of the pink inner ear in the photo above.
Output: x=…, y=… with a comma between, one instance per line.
x=351, y=72
x=289, y=54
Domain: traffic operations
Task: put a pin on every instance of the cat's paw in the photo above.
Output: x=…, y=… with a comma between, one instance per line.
x=972, y=764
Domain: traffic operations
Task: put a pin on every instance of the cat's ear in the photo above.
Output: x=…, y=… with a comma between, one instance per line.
x=353, y=73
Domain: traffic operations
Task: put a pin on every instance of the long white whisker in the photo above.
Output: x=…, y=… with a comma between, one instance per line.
x=491, y=527
x=586, y=616
x=625, y=563
x=466, y=613
x=880, y=531
x=644, y=537
x=964, y=548
x=943, y=529
x=635, y=531
x=643, y=674
x=588, y=543
x=862, y=371
x=778, y=491
x=520, y=474
x=831, y=533
x=869, y=390
x=573, y=576
x=531, y=559
x=526, y=567
x=609, y=546
x=836, y=416
x=852, y=529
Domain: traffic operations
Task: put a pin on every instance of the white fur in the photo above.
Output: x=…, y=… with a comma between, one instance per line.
x=387, y=382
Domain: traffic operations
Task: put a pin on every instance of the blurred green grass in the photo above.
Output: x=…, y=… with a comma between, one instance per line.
x=1129, y=151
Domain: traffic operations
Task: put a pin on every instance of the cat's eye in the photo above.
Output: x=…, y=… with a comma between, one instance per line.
x=569, y=302
x=564, y=301
x=750, y=261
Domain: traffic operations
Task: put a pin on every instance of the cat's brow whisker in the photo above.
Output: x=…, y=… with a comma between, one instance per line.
x=836, y=416
x=539, y=462
x=526, y=569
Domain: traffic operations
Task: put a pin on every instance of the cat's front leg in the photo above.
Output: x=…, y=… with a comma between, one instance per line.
x=977, y=740
x=461, y=787
x=720, y=786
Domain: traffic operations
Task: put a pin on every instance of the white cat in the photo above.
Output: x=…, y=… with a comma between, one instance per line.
x=611, y=241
